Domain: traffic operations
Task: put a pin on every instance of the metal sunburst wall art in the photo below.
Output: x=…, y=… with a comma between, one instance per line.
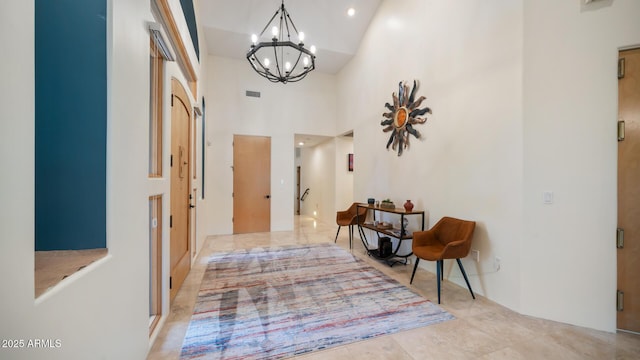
x=402, y=115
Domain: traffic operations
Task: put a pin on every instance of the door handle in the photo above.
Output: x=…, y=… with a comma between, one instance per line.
x=267, y=196
x=191, y=206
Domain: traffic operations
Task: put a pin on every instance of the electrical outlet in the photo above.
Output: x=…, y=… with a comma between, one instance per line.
x=475, y=255
x=496, y=263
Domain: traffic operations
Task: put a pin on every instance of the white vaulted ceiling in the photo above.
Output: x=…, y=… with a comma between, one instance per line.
x=228, y=25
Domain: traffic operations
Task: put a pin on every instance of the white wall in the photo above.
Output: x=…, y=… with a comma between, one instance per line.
x=306, y=107
x=201, y=203
x=102, y=311
x=16, y=185
x=524, y=100
x=570, y=147
x=318, y=172
x=467, y=56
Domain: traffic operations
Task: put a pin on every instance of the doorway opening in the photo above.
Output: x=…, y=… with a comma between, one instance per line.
x=324, y=182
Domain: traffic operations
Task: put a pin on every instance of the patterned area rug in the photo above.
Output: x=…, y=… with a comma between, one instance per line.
x=280, y=302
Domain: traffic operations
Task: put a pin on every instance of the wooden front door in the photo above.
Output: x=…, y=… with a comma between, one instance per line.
x=180, y=181
x=629, y=194
x=251, y=184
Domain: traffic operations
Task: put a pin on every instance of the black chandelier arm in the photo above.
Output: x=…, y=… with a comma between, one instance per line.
x=298, y=77
x=297, y=61
x=286, y=24
x=280, y=32
x=275, y=54
x=273, y=78
x=291, y=21
x=264, y=69
x=288, y=20
x=265, y=73
x=269, y=23
x=275, y=44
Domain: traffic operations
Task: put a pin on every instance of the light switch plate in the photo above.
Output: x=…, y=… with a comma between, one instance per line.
x=547, y=197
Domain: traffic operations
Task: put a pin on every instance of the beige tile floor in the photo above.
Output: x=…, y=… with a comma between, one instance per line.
x=482, y=329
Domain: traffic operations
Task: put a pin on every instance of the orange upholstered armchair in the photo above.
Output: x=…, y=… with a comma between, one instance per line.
x=350, y=218
x=449, y=238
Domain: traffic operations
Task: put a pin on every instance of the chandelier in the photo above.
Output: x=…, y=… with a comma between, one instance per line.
x=281, y=59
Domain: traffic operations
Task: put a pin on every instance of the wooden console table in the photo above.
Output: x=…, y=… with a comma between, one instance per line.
x=399, y=234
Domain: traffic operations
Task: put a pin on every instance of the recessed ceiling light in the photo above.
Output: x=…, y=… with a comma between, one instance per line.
x=351, y=11
x=301, y=143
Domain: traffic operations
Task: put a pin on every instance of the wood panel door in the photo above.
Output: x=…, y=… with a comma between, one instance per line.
x=629, y=194
x=251, y=184
x=180, y=181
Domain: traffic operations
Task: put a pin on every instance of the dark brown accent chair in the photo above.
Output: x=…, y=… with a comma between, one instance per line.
x=350, y=218
x=450, y=238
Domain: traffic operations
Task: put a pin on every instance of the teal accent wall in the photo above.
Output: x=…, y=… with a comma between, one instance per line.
x=70, y=124
x=190, y=17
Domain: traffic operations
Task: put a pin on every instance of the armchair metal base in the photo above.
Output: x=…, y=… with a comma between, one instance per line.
x=440, y=275
x=350, y=236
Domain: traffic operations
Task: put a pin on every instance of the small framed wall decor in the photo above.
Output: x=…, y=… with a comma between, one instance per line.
x=350, y=162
